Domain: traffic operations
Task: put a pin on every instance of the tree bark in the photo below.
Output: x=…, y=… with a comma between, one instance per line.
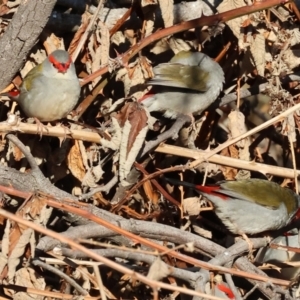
x=21, y=35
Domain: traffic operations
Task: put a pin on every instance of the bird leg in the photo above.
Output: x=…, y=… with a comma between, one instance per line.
x=66, y=131
x=40, y=127
x=193, y=122
x=250, y=244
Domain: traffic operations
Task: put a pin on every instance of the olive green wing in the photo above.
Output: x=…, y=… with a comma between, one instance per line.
x=180, y=76
x=30, y=78
x=262, y=192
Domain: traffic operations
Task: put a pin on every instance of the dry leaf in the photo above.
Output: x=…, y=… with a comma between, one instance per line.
x=158, y=270
x=258, y=51
x=235, y=24
x=73, y=45
x=75, y=163
x=133, y=136
x=28, y=278
x=166, y=7
x=192, y=206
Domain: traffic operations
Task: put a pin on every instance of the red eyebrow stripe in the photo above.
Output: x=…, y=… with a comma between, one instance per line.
x=61, y=67
x=52, y=59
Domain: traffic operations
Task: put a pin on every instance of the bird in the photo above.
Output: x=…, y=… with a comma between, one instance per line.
x=187, y=85
x=249, y=206
x=50, y=90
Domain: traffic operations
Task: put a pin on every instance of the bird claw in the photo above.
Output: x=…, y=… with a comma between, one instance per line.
x=251, y=246
x=40, y=127
x=66, y=131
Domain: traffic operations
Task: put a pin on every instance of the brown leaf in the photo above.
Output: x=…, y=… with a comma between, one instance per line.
x=78, y=34
x=138, y=119
x=75, y=163
x=4, y=9
x=229, y=172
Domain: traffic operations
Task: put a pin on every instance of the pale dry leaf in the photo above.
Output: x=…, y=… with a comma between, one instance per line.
x=115, y=142
x=166, y=7
x=36, y=210
x=210, y=169
x=142, y=70
x=84, y=275
x=36, y=58
x=149, y=8
x=52, y=43
x=272, y=37
x=5, y=246
x=291, y=58
x=3, y=262
x=91, y=51
x=78, y=34
x=116, y=105
x=189, y=247
x=149, y=27
x=128, y=158
x=158, y=270
x=139, y=73
x=17, y=253
x=289, y=127
x=235, y=24
x=178, y=45
x=32, y=243
x=103, y=39
x=237, y=126
x=44, y=216
x=75, y=163
x=282, y=13
x=185, y=11
x=203, y=232
x=279, y=66
x=106, y=104
x=258, y=51
x=76, y=191
x=191, y=206
x=118, y=38
x=28, y=278
x=101, y=53
x=160, y=46
x=93, y=175
x=294, y=35
x=148, y=2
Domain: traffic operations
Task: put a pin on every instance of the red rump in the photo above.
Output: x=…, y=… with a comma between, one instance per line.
x=212, y=190
x=61, y=67
x=297, y=215
x=226, y=290
x=13, y=93
x=145, y=97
